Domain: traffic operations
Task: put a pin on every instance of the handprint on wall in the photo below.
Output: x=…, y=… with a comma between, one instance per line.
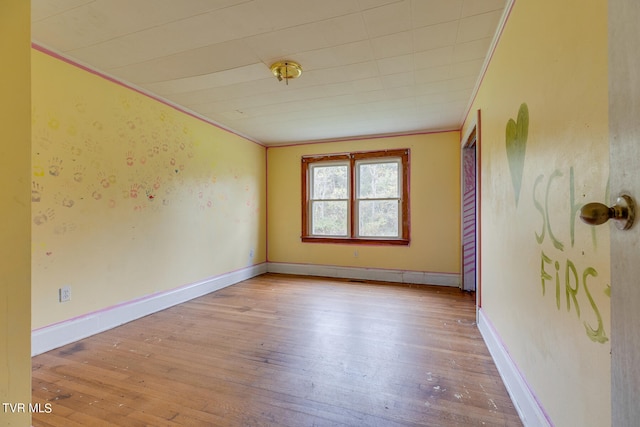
x=78, y=173
x=130, y=159
x=42, y=217
x=55, y=166
x=36, y=191
x=64, y=200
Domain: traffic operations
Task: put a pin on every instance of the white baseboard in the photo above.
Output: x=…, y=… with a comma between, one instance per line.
x=399, y=276
x=529, y=408
x=59, y=334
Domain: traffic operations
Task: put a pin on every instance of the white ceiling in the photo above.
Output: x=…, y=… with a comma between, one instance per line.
x=371, y=67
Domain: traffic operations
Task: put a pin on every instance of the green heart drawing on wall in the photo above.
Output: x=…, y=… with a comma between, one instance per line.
x=516, y=141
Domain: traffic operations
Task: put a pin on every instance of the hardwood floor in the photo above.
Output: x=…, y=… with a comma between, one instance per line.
x=282, y=350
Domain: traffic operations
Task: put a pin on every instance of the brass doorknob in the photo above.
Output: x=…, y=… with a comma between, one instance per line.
x=624, y=212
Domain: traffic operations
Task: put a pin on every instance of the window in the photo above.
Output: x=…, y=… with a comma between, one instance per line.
x=356, y=197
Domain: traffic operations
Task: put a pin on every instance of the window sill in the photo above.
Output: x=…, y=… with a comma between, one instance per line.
x=354, y=241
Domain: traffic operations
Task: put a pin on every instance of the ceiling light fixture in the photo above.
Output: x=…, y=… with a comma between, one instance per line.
x=286, y=70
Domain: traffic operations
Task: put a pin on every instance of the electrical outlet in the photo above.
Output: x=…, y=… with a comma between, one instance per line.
x=64, y=294
x=250, y=253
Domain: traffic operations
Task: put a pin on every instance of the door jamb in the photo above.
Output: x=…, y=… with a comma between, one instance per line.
x=474, y=133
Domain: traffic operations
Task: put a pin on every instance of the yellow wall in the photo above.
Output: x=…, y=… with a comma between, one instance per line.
x=435, y=207
x=131, y=196
x=15, y=159
x=545, y=274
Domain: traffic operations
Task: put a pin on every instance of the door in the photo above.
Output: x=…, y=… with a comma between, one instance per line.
x=624, y=139
x=469, y=219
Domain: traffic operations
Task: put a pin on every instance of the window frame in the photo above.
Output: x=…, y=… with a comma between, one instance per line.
x=347, y=198
x=352, y=209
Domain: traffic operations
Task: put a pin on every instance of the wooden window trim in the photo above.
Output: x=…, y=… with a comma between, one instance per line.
x=306, y=161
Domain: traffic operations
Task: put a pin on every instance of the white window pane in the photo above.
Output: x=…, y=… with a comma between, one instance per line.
x=329, y=218
x=330, y=182
x=378, y=180
x=378, y=218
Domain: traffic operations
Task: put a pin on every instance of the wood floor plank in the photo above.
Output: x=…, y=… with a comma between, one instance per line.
x=281, y=350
